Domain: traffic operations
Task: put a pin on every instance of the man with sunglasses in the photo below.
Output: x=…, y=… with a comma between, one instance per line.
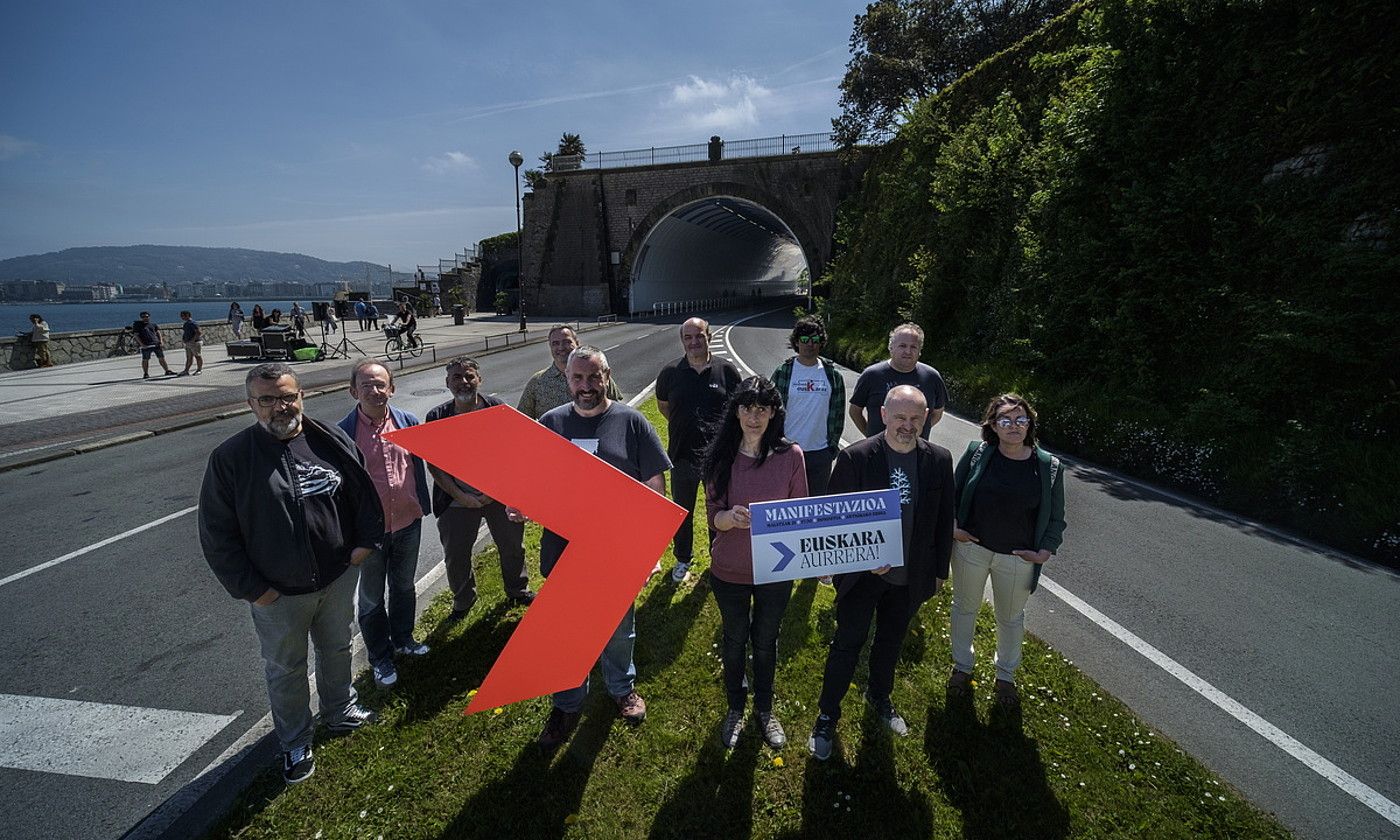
x=286, y=509
x=814, y=396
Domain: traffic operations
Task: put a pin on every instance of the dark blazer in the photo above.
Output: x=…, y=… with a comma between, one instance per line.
x=862, y=466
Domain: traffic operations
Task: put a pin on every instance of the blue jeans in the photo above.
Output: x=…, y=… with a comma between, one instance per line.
x=751, y=615
x=619, y=672
x=385, y=630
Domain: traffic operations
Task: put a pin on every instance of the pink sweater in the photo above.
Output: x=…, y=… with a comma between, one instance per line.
x=782, y=476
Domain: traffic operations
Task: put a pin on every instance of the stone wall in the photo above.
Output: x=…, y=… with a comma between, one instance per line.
x=68, y=347
x=576, y=221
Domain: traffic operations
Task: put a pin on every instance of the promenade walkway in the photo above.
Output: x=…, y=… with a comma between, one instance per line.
x=55, y=412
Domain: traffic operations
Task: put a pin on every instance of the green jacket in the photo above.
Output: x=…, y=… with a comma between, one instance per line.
x=835, y=410
x=1050, y=518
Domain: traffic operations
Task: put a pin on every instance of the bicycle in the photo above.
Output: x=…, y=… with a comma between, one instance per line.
x=395, y=348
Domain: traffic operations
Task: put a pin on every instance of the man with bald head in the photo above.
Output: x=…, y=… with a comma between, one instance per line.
x=895, y=458
x=691, y=393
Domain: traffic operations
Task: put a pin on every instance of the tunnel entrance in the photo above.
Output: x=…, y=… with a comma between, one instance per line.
x=719, y=247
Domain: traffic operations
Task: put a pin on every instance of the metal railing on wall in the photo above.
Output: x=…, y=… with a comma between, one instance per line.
x=783, y=144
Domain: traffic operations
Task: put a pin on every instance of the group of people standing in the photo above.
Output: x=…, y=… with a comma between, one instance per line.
x=289, y=505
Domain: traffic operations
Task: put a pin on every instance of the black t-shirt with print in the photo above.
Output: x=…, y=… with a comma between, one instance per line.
x=329, y=517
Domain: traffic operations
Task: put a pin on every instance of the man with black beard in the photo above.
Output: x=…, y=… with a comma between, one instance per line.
x=459, y=507
x=622, y=437
x=286, y=509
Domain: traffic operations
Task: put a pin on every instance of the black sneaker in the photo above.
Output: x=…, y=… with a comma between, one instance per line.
x=823, y=736
x=557, y=729
x=884, y=710
x=355, y=717
x=298, y=764
x=524, y=599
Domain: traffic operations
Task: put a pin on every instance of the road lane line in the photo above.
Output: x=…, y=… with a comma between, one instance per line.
x=1353, y=786
x=100, y=740
x=87, y=549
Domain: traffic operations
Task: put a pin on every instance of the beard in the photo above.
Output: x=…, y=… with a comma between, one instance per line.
x=588, y=399
x=283, y=426
x=465, y=396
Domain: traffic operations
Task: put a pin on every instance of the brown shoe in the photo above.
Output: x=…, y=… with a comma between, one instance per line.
x=632, y=707
x=960, y=682
x=1007, y=695
x=557, y=729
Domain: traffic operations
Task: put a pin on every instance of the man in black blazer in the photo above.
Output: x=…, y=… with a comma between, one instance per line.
x=923, y=473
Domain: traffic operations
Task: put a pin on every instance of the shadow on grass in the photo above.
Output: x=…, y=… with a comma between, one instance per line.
x=663, y=624
x=715, y=799
x=455, y=665
x=536, y=797
x=797, y=630
x=992, y=774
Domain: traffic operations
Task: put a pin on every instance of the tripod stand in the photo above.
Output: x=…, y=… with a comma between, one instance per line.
x=338, y=351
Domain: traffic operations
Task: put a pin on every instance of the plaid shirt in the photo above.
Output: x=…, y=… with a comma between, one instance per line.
x=835, y=409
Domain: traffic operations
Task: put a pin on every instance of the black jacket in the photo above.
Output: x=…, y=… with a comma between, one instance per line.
x=251, y=522
x=862, y=466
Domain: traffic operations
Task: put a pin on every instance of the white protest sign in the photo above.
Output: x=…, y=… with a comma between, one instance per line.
x=826, y=535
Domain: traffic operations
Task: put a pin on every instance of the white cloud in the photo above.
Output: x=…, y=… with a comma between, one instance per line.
x=449, y=162
x=720, y=105
x=12, y=147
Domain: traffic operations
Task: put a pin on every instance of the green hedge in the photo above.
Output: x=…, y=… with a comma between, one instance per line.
x=1173, y=224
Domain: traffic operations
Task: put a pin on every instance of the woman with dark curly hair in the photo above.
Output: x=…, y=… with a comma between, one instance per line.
x=749, y=461
x=1010, y=498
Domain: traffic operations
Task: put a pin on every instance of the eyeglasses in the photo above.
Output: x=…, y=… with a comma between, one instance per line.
x=1007, y=422
x=810, y=339
x=284, y=399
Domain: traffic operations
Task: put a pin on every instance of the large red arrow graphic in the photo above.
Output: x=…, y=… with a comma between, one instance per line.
x=616, y=528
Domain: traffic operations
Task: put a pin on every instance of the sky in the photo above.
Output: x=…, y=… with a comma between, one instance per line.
x=376, y=131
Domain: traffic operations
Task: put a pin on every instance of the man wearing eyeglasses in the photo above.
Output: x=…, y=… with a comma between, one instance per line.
x=285, y=511
x=400, y=479
x=814, y=396
x=901, y=368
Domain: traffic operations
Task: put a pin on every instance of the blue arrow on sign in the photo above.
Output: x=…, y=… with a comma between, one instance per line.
x=787, y=553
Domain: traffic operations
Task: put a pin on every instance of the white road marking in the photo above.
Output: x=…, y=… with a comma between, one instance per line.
x=99, y=740
x=1353, y=786
x=103, y=543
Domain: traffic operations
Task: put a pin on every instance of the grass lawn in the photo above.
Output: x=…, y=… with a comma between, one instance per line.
x=1072, y=762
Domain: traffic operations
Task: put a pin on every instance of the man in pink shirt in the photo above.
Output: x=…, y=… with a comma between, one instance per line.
x=402, y=484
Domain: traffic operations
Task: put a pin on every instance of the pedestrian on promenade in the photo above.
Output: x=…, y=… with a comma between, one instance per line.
x=621, y=436
x=1010, y=521
x=360, y=310
x=235, y=319
x=901, y=368
x=332, y=320
x=749, y=461
x=299, y=319
x=814, y=395
x=372, y=315
x=275, y=319
x=285, y=511
x=691, y=393
x=259, y=318
x=896, y=457
x=192, y=336
x=549, y=388
x=149, y=340
x=401, y=482
x=460, y=507
x=39, y=338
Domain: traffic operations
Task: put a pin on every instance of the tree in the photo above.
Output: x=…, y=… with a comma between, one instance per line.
x=903, y=50
x=569, y=144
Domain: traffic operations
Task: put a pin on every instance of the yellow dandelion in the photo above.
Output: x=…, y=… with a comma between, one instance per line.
x=778, y=761
x=498, y=710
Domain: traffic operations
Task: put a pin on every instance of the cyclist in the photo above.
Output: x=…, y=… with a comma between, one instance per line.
x=409, y=319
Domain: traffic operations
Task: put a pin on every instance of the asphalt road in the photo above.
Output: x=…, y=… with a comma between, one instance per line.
x=1305, y=640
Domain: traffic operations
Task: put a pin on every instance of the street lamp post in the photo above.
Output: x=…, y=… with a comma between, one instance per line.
x=515, y=160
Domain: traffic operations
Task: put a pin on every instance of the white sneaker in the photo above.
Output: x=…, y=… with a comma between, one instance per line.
x=385, y=675
x=412, y=649
x=681, y=572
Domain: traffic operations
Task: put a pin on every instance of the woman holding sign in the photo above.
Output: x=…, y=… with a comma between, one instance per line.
x=1010, y=519
x=749, y=461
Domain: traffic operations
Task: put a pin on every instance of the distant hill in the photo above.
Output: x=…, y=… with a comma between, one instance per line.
x=145, y=264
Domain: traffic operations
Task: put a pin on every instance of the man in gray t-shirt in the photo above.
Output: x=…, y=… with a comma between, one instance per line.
x=621, y=436
x=901, y=368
